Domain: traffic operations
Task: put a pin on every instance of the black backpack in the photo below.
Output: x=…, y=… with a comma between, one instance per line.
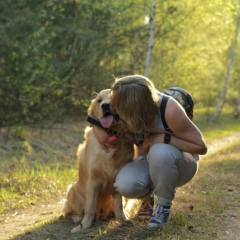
x=182, y=96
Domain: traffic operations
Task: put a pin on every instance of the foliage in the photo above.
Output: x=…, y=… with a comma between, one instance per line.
x=56, y=54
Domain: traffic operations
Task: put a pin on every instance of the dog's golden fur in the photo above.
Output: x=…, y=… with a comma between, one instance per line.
x=93, y=195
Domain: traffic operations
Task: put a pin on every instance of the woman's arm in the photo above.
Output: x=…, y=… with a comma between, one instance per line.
x=186, y=136
x=104, y=140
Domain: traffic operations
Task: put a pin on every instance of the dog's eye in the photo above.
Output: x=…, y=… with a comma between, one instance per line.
x=99, y=100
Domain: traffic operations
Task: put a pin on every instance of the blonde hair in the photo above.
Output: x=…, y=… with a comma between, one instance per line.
x=135, y=99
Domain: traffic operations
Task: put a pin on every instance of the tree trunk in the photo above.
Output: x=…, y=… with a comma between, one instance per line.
x=150, y=40
x=237, y=106
x=224, y=89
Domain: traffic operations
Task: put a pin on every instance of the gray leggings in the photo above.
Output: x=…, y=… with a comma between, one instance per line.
x=160, y=172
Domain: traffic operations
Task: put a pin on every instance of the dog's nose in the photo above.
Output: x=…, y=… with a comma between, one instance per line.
x=105, y=106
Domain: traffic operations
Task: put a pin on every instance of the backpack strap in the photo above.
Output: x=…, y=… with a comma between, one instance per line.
x=162, y=111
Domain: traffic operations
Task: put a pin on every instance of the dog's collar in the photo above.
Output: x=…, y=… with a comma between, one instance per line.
x=97, y=123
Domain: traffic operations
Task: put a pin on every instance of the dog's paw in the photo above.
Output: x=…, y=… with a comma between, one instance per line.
x=82, y=226
x=120, y=216
x=127, y=222
x=76, y=229
x=121, y=220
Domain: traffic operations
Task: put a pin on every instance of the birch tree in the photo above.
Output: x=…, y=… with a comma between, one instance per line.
x=237, y=106
x=224, y=89
x=150, y=39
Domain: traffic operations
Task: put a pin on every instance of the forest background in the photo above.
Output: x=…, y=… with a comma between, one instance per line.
x=55, y=54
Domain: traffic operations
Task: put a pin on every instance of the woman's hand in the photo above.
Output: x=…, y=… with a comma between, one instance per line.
x=152, y=139
x=105, y=140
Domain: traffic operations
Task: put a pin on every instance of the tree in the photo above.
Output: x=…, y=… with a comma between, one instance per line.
x=56, y=54
x=150, y=39
x=224, y=89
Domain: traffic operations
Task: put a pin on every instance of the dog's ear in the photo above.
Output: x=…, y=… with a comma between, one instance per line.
x=91, y=109
x=92, y=105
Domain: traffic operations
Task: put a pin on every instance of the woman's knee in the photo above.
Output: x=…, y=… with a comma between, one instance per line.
x=163, y=154
x=133, y=180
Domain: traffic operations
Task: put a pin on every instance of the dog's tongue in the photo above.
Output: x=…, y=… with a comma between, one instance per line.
x=107, y=121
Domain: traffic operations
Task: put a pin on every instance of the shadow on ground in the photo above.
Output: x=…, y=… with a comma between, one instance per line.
x=60, y=229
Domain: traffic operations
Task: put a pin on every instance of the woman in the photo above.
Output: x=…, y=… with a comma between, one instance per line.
x=167, y=159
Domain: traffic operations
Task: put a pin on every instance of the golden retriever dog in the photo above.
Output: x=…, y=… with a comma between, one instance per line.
x=93, y=195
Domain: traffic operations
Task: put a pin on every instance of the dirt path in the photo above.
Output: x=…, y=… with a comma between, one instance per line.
x=220, y=143
x=17, y=222
x=232, y=227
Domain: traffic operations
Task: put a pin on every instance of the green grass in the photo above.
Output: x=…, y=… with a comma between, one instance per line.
x=25, y=186
x=226, y=124
x=36, y=165
x=37, y=168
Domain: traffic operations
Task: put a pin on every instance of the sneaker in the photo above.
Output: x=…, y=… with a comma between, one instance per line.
x=159, y=217
x=146, y=208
